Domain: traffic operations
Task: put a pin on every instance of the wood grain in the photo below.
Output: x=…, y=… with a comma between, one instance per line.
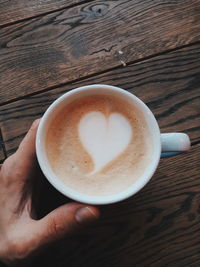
x=169, y=84
x=17, y=10
x=43, y=57
x=2, y=149
x=69, y=44
x=157, y=227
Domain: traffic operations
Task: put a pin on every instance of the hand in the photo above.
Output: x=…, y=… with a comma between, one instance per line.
x=21, y=235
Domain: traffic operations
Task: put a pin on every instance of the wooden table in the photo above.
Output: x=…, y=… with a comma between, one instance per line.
x=150, y=48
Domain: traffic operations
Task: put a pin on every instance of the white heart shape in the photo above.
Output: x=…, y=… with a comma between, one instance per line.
x=104, y=138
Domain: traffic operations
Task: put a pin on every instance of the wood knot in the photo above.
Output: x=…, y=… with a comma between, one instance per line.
x=96, y=10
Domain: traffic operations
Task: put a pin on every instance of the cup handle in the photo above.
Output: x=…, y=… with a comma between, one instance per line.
x=174, y=143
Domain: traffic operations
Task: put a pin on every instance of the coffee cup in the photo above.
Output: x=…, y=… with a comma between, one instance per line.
x=100, y=144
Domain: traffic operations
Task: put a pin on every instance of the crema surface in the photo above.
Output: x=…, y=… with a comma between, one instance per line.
x=98, y=145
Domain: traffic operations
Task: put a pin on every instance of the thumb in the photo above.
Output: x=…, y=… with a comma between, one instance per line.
x=64, y=221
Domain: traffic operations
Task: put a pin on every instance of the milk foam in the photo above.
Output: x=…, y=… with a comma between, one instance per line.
x=104, y=138
x=98, y=145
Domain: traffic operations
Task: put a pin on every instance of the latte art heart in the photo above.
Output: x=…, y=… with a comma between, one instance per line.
x=104, y=138
x=98, y=145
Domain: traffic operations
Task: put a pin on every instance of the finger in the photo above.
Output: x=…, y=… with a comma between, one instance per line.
x=26, y=151
x=21, y=164
x=64, y=221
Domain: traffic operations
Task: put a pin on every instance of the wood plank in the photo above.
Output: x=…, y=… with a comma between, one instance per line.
x=67, y=45
x=157, y=227
x=17, y=10
x=169, y=84
x=2, y=148
x=2, y=158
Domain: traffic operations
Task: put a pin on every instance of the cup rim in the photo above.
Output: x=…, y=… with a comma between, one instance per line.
x=89, y=199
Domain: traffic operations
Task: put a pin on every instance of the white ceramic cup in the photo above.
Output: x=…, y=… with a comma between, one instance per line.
x=163, y=144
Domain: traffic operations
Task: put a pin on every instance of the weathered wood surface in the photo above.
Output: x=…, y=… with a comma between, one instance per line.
x=169, y=84
x=43, y=57
x=17, y=10
x=66, y=45
x=2, y=149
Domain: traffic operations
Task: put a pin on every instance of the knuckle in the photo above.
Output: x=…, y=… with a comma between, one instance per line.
x=55, y=228
x=9, y=161
x=11, y=170
x=19, y=250
x=8, y=165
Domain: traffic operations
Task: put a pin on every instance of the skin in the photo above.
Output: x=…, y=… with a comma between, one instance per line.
x=22, y=235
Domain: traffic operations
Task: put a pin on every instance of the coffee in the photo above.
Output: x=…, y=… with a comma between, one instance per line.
x=98, y=145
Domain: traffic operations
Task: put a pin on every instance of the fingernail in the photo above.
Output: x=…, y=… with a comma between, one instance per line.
x=85, y=215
